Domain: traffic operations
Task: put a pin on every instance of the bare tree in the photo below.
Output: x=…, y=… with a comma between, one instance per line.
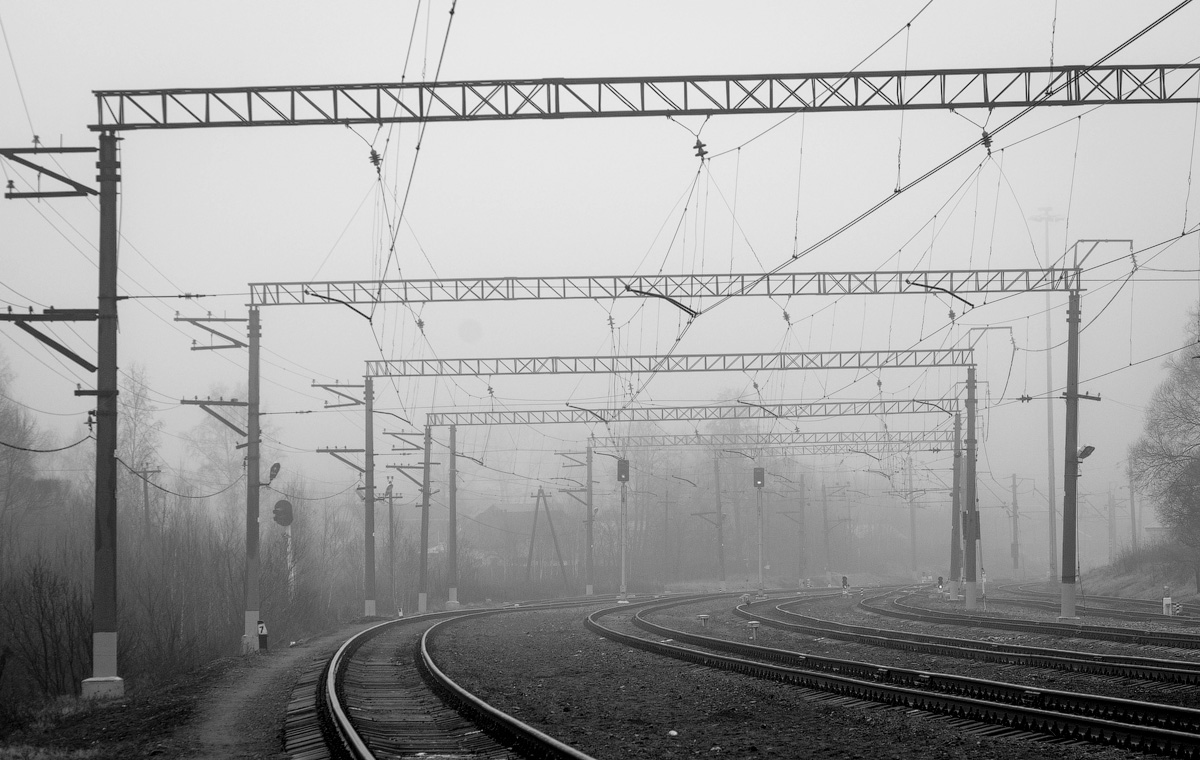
x=1165, y=461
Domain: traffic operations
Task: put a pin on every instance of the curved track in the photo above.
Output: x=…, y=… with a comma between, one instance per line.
x=1044, y=713
x=784, y=616
x=382, y=695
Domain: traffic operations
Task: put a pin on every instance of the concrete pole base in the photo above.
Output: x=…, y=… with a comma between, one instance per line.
x=108, y=687
x=422, y=602
x=1067, y=611
x=972, y=595
x=369, y=608
x=452, y=602
x=250, y=633
x=591, y=591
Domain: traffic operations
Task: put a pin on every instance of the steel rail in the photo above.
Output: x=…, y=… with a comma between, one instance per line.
x=1024, y=717
x=1132, y=712
x=1143, y=668
x=1068, y=630
x=500, y=725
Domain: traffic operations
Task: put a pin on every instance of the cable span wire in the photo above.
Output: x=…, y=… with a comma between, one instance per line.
x=46, y=451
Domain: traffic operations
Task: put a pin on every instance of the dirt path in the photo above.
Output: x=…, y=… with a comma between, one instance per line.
x=242, y=715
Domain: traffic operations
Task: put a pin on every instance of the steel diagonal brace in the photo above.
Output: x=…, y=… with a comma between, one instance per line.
x=207, y=404
x=11, y=155
x=334, y=389
x=403, y=470
x=337, y=454
x=199, y=322
x=56, y=346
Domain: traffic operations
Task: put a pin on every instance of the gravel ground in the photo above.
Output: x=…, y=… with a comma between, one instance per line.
x=614, y=702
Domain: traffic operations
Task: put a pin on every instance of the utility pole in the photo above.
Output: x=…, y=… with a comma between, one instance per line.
x=1071, y=468
x=666, y=550
x=956, y=531
x=1112, y=526
x=391, y=499
x=1016, y=529
x=720, y=520
x=253, y=448
x=624, y=527
x=971, y=537
x=1046, y=218
x=825, y=521
x=1133, y=523
x=104, y=681
x=588, y=522
x=145, y=477
x=423, y=591
x=452, y=527
x=912, y=522
x=369, y=505
x=759, y=481
x=802, y=560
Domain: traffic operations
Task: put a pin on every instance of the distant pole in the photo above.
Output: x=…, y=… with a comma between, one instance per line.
x=825, y=521
x=1051, y=495
x=1112, y=526
x=253, y=449
x=1133, y=523
x=452, y=527
x=1071, y=460
x=1016, y=529
x=666, y=551
x=971, y=539
x=802, y=560
x=759, y=501
x=391, y=497
x=104, y=681
x=624, y=531
x=423, y=591
x=369, y=505
x=956, y=528
x=912, y=521
x=720, y=520
x=588, y=521
x=145, y=477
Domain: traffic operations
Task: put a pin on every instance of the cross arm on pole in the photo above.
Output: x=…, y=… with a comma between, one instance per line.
x=207, y=405
x=338, y=454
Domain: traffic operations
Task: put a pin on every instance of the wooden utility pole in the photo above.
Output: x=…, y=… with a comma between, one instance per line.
x=145, y=477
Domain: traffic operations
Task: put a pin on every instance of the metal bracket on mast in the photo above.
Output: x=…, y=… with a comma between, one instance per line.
x=14, y=155
x=200, y=322
x=335, y=388
x=409, y=446
x=207, y=403
x=54, y=315
x=337, y=453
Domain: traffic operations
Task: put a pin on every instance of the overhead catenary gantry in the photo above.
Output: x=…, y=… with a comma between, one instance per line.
x=557, y=365
x=892, y=440
x=740, y=411
x=562, y=98
x=548, y=98
x=677, y=286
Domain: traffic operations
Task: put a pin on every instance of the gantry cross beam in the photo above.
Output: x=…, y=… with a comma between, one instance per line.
x=561, y=98
x=691, y=413
x=577, y=365
x=677, y=286
x=903, y=439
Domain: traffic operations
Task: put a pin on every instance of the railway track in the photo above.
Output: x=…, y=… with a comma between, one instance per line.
x=1120, y=607
x=382, y=695
x=891, y=606
x=1019, y=710
x=784, y=617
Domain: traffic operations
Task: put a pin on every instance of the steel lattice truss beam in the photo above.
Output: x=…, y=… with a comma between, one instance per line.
x=585, y=365
x=691, y=413
x=846, y=439
x=677, y=286
x=842, y=449
x=489, y=100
